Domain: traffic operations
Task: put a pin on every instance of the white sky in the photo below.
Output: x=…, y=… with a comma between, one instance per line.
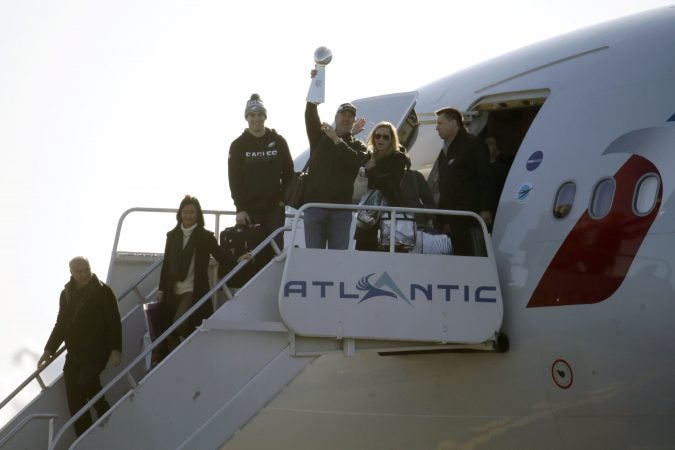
x=109, y=105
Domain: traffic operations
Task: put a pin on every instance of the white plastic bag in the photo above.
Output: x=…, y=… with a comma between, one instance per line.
x=432, y=244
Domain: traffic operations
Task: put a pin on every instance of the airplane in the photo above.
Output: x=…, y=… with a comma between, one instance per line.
x=572, y=349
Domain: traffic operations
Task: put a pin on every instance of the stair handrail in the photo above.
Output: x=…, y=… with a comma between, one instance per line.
x=120, y=221
x=126, y=372
x=394, y=210
x=36, y=374
x=269, y=240
x=31, y=377
x=28, y=419
x=142, y=278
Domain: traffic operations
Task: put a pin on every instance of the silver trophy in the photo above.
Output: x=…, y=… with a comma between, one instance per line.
x=317, y=90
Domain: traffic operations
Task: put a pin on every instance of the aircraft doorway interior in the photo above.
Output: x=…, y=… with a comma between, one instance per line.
x=506, y=118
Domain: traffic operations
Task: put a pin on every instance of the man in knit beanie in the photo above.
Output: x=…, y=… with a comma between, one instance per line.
x=255, y=105
x=259, y=169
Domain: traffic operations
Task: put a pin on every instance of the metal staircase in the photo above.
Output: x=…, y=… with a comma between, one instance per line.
x=24, y=432
x=303, y=304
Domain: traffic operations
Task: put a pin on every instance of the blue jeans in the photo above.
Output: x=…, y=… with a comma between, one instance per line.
x=327, y=227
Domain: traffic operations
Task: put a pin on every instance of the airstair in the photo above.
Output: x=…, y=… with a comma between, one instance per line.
x=305, y=303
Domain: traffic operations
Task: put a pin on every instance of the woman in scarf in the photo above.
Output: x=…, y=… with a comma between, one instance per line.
x=184, y=278
x=384, y=170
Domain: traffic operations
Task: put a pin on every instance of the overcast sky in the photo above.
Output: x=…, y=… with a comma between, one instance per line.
x=110, y=105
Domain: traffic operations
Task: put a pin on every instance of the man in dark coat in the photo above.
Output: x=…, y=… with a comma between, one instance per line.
x=463, y=181
x=335, y=158
x=89, y=323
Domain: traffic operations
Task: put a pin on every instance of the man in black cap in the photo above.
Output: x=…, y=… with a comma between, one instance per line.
x=334, y=161
x=259, y=169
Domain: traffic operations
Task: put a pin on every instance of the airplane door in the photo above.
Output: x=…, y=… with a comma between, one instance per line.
x=394, y=108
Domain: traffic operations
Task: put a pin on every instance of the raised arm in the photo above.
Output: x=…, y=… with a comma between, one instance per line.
x=313, y=125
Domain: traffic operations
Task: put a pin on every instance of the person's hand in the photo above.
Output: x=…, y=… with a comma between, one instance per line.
x=359, y=124
x=45, y=359
x=115, y=358
x=242, y=218
x=330, y=132
x=487, y=217
x=246, y=256
x=370, y=164
x=313, y=73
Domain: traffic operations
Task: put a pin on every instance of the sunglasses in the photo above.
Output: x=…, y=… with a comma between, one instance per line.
x=386, y=137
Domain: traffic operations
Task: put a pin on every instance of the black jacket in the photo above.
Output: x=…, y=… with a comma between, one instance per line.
x=387, y=175
x=463, y=175
x=332, y=168
x=416, y=194
x=259, y=169
x=88, y=322
x=205, y=246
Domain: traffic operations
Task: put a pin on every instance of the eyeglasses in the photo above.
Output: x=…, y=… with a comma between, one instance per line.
x=386, y=137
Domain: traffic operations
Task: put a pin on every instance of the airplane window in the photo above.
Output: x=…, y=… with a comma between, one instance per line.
x=564, y=199
x=603, y=194
x=646, y=193
x=407, y=132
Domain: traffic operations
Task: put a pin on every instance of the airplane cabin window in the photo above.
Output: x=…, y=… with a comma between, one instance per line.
x=564, y=199
x=407, y=131
x=601, y=201
x=646, y=193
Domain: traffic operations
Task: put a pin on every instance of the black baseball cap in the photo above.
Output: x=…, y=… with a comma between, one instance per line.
x=347, y=107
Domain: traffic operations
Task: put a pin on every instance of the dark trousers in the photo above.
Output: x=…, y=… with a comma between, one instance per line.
x=466, y=236
x=270, y=221
x=82, y=384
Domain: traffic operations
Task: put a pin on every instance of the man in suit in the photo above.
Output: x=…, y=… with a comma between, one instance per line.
x=463, y=181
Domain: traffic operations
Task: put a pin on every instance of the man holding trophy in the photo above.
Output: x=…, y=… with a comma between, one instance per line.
x=334, y=161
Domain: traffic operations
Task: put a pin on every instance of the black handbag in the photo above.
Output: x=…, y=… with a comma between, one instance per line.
x=294, y=195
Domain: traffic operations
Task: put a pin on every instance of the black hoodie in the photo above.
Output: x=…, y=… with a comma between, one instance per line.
x=259, y=169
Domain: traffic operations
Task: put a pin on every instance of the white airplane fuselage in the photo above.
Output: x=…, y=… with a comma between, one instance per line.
x=582, y=242
x=589, y=300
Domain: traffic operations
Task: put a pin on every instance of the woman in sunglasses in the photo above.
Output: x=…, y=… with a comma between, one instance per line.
x=384, y=169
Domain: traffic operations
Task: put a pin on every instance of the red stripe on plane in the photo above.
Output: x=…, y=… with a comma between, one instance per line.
x=595, y=257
